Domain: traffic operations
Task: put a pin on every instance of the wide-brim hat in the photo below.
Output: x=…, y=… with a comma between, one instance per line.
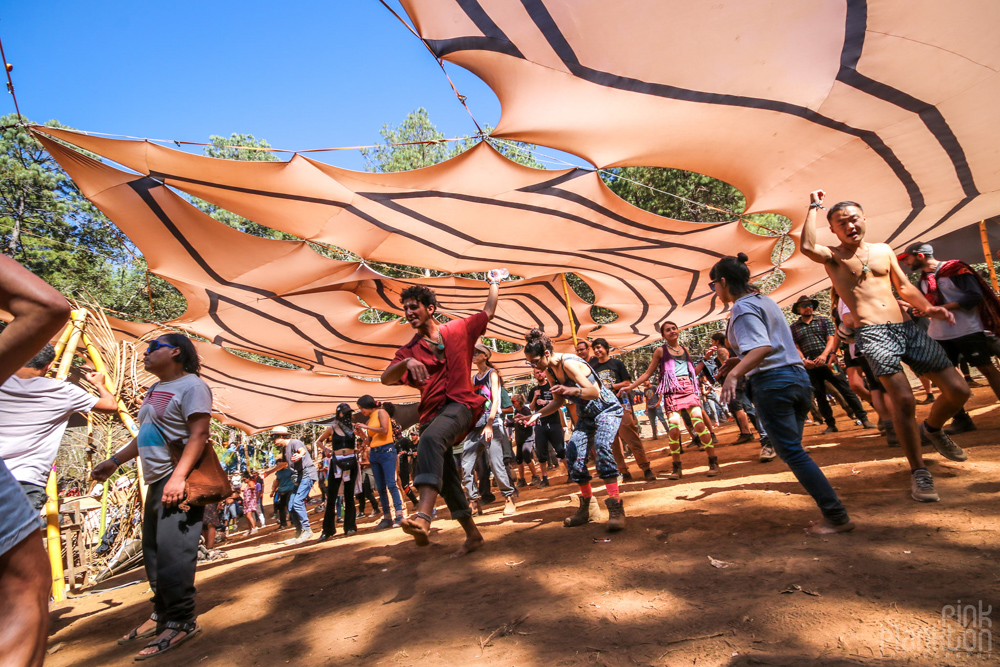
x=279, y=430
x=804, y=301
x=485, y=350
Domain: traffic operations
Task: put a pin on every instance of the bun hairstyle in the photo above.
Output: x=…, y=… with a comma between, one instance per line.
x=537, y=343
x=736, y=273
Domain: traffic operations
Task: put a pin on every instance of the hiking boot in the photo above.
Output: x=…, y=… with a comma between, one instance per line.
x=616, y=514
x=544, y=484
x=385, y=523
x=922, y=486
x=713, y=466
x=535, y=480
x=767, y=453
x=832, y=428
x=521, y=483
x=867, y=424
x=961, y=423
x=944, y=445
x=649, y=475
x=589, y=511
x=744, y=437
x=677, y=472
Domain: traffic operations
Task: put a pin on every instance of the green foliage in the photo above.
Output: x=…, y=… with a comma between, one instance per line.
x=239, y=147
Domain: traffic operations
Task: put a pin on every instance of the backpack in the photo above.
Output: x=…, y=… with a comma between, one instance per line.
x=505, y=401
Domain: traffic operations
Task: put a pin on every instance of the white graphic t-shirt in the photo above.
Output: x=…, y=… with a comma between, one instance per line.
x=163, y=418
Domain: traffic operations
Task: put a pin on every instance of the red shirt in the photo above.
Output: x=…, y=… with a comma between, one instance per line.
x=451, y=378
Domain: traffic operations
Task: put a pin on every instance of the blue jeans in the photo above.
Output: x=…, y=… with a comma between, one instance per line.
x=655, y=412
x=383, y=460
x=297, y=505
x=598, y=433
x=782, y=397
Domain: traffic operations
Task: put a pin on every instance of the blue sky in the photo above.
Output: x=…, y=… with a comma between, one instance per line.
x=300, y=74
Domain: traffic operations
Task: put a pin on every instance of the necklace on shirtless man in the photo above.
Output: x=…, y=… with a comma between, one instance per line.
x=864, y=265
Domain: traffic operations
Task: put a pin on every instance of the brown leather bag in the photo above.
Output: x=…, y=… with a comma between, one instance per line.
x=207, y=482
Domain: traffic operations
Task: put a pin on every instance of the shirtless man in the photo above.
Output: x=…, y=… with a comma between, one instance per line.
x=863, y=275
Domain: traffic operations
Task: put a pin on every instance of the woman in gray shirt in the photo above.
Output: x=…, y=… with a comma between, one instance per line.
x=777, y=382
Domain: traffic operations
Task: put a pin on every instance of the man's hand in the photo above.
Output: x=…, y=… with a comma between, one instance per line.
x=173, y=490
x=96, y=379
x=817, y=197
x=296, y=457
x=728, y=365
x=940, y=313
x=103, y=470
x=417, y=370
x=809, y=363
x=729, y=388
x=496, y=275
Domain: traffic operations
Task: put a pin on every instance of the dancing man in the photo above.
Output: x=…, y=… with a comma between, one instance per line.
x=863, y=275
x=436, y=361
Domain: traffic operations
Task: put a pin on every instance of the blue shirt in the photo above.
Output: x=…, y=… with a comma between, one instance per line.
x=757, y=321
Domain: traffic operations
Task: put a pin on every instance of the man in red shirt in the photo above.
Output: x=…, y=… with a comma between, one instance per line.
x=437, y=362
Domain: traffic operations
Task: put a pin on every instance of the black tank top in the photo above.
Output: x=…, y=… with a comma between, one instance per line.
x=338, y=441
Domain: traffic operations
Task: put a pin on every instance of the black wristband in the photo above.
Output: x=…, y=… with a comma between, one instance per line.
x=117, y=462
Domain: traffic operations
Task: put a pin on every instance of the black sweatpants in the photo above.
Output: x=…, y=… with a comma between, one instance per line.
x=435, y=465
x=333, y=488
x=820, y=375
x=170, y=554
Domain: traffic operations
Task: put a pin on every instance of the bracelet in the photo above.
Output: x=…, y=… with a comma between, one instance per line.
x=117, y=462
x=816, y=204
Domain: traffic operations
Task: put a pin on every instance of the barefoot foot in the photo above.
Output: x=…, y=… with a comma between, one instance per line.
x=471, y=544
x=418, y=528
x=824, y=527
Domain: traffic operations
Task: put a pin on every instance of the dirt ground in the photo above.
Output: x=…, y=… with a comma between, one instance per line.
x=539, y=593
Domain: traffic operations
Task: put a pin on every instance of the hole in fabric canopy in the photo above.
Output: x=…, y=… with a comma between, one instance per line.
x=771, y=281
x=598, y=313
x=262, y=359
x=376, y=316
x=675, y=193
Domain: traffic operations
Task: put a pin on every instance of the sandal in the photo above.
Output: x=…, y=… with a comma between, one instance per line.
x=420, y=535
x=163, y=645
x=135, y=634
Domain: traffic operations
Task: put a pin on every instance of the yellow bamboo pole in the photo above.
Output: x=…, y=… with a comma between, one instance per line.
x=76, y=320
x=988, y=254
x=95, y=357
x=55, y=541
x=569, y=309
x=61, y=343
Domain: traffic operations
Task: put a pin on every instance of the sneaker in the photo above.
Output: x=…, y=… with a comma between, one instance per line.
x=832, y=428
x=374, y=513
x=384, y=524
x=961, y=423
x=521, y=483
x=944, y=445
x=744, y=437
x=544, y=484
x=509, y=508
x=767, y=453
x=649, y=475
x=304, y=537
x=397, y=522
x=922, y=486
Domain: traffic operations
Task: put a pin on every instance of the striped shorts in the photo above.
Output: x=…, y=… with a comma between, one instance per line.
x=886, y=345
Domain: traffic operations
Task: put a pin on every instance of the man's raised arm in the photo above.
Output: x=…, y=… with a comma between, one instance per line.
x=807, y=242
x=493, y=278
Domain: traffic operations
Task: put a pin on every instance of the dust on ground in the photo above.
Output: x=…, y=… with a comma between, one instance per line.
x=914, y=584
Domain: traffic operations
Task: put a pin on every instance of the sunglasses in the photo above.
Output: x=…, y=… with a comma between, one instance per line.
x=711, y=286
x=155, y=345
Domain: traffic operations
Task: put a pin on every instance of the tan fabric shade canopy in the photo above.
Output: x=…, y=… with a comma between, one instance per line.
x=890, y=103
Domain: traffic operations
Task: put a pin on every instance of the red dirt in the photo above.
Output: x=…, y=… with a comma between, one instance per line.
x=543, y=594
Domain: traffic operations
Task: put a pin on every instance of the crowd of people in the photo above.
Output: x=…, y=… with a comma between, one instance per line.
x=581, y=417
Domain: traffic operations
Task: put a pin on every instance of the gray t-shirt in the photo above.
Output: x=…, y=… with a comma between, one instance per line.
x=163, y=417
x=34, y=413
x=304, y=467
x=757, y=321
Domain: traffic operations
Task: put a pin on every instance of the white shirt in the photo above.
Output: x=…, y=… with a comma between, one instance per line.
x=34, y=413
